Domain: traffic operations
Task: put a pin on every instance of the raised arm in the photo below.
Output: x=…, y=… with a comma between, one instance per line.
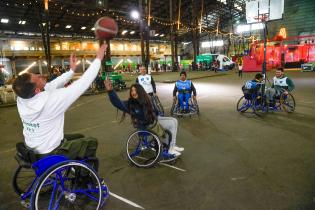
x=61, y=99
x=60, y=81
x=113, y=97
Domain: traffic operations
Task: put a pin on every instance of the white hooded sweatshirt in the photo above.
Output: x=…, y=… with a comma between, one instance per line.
x=43, y=115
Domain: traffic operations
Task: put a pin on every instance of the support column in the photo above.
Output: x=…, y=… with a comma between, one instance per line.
x=63, y=63
x=141, y=32
x=83, y=64
x=108, y=51
x=108, y=57
x=172, y=35
x=13, y=67
x=175, y=49
x=45, y=29
x=40, y=67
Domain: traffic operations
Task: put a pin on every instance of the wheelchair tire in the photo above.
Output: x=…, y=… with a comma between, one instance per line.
x=143, y=149
x=195, y=104
x=173, y=108
x=22, y=179
x=166, y=141
x=71, y=184
x=242, y=106
x=158, y=105
x=287, y=103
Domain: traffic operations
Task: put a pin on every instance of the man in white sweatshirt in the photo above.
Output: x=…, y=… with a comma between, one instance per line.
x=42, y=107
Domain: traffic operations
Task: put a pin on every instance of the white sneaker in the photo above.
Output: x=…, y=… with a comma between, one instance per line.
x=179, y=149
x=172, y=151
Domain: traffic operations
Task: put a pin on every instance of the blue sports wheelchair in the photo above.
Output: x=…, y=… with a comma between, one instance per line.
x=145, y=148
x=254, y=102
x=55, y=182
x=193, y=108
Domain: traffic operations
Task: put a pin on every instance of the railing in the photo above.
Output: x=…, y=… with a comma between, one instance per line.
x=66, y=53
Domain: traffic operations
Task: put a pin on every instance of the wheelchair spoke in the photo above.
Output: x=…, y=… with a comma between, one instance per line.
x=75, y=186
x=143, y=148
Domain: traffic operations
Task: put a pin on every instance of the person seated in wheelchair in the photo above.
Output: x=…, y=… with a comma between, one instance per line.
x=184, y=88
x=252, y=88
x=146, y=81
x=143, y=114
x=282, y=84
x=42, y=106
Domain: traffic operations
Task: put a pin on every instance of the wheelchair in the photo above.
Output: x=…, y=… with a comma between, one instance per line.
x=55, y=182
x=255, y=103
x=145, y=149
x=157, y=104
x=192, y=106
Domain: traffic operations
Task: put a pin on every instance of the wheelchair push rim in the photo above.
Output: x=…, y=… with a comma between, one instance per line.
x=193, y=109
x=243, y=104
x=143, y=149
x=158, y=105
x=287, y=102
x=70, y=184
x=23, y=179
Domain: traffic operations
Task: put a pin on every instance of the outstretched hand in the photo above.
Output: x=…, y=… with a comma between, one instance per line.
x=108, y=84
x=101, y=52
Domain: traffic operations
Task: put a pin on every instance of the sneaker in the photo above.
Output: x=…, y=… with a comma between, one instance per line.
x=172, y=151
x=179, y=149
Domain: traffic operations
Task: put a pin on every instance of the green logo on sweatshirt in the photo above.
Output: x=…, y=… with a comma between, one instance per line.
x=30, y=126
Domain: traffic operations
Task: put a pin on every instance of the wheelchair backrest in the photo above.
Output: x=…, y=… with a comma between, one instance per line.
x=24, y=153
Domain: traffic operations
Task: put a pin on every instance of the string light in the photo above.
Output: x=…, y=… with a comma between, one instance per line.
x=120, y=16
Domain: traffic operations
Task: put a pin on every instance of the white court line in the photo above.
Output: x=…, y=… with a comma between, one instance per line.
x=164, y=164
x=180, y=169
x=126, y=200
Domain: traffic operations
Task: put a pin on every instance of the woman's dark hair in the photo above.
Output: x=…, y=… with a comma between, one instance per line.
x=23, y=87
x=143, y=102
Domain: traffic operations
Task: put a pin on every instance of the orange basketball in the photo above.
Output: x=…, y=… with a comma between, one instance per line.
x=105, y=28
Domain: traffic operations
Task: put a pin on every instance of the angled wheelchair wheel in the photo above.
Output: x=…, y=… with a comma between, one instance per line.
x=174, y=108
x=195, y=107
x=23, y=179
x=68, y=185
x=143, y=149
x=166, y=140
x=157, y=103
x=287, y=103
x=243, y=104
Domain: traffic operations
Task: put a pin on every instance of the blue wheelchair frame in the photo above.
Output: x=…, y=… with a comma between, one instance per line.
x=256, y=102
x=192, y=105
x=48, y=164
x=146, y=144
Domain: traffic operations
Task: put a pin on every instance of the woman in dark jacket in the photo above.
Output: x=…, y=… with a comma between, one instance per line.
x=142, y=114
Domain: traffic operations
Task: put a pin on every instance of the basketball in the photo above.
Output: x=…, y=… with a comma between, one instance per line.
x=105, y=28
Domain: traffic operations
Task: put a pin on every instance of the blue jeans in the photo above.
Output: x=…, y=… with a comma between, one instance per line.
x=184, y=97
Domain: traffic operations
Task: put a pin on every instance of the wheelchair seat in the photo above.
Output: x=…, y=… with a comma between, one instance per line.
x=25, y=156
